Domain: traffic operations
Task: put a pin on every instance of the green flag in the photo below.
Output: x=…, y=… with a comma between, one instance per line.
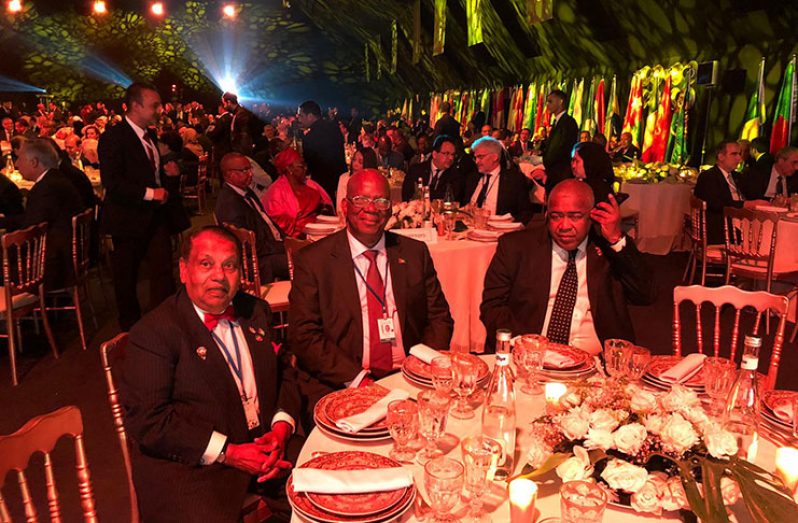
x=782, y=119
x=439, y=36
x=755, y=115
x=474, y=21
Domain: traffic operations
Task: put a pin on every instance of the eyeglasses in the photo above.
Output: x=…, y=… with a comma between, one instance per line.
x=573, y=216
x=244, y=170
x=361, y=202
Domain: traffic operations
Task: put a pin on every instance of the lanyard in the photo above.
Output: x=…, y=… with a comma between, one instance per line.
x=383, y=300
x=236, y=365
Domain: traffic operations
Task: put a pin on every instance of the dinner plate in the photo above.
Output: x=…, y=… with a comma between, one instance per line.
x=347, y=402
x=660, y=364
x=332, y=220
x=484, y=236
x=358, y=437
x=421, y=370
x=775, y=420
x=505, y=226
x=501, y=218
x=773, y=399
x=579, y=357
x=417, y=381
x=317, y=228
x=321, y=419
x=771, y=208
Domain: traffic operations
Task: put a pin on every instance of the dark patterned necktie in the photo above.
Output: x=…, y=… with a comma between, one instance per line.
x=780, y=186
x=483, y=193
x=559, y=330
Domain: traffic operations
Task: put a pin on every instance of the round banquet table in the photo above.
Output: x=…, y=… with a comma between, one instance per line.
x=661, y=208
x=495, y=498
x=786, y=257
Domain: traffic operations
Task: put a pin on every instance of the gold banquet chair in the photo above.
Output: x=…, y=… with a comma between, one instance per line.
x=41, y=435
x=292, y=246
x=701, y=252
x=197, y=192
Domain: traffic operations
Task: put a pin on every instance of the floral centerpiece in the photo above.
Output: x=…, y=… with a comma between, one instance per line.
x=406, y=215
x=655, y=172
x=654, y=453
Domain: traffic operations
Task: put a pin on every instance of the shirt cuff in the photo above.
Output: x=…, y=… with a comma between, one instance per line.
x=355, y=383
x=284, y=416
x=214, y=448
x=149, y=194
x=619, y=245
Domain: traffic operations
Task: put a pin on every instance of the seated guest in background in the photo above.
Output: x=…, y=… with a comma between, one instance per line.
x=486, y=130
x=423, y=150
x=760, y=152
x=539, y=142
x=76, y=177
x=208, y=405
x=53, y=200
x=600, y=139
x=88, y=154
x=494, y=186
x=362, y=159
x=72, y=148
x=564, y=280
x=626, y=150
x=237, y=204
x=719, y=187
x=767, y=180
x=584, y=136
x=523, y=146
x=190, y=153
x=23, y=127
x=438, y=172
x=387, y=156
x=359, y=282
x=294, y=200
x=6, y=129
x=592, y=165
x=90, y=132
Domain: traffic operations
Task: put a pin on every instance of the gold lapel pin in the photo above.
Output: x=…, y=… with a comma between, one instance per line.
x=202, y=352
x=401, y=261
x=261, y=332
x=251, y=329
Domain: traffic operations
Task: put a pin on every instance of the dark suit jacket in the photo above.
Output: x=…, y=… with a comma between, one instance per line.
x=516, y=148
x=80, y=181
x=517, y=285
x=173, y=400
x=325, y=320
x=10, y=197
x=755, y=182
x=513, y=194
x=626, y=155
x=323, y=149
x=241, y=138
x=557, y=153
x=447, y=125
x=711, y=187
x=449, y=177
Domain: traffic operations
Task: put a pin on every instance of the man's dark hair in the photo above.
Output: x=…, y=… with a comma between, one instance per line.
x=310, y=107
x=442, y=139
x=760, y=144
x=559, y=93
x=721, y=147
x=446, y=107
x=188, y=241
x=600, y=139
x=135, y=91
x=230, y=97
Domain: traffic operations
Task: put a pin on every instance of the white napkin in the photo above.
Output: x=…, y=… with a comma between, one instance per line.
x=356, y=423
x=557, y=360
x=507, y=217
x=685, y=369
x=425, y=353
x=351, y=481
x=784, y=412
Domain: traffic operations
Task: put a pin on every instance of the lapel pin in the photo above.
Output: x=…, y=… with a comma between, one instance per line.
x=598, y=250
x=261, y=332
x=251, y=329
x=202, y=352
x=401, y=261
x=258, y=338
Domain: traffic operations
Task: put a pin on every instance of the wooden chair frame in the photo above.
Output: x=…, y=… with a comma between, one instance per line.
x=197, y=192
x=250, y=273
x=744, y=254
x=697, y=231
x=292, y=245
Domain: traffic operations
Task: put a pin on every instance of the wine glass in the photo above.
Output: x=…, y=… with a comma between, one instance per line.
x=480, y=457
x=719, y=375
x=582, y=502
x=441, y=371
x=432, y=410
x=465, y=373
x=449, y=221
x=637, y=363
x=529, y=354
x=402, y=420
x=443, y=480
x=616, y=354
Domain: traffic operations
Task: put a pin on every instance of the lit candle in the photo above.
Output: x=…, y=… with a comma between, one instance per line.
x=522, y=500
x=555, y=391
x=787, y=466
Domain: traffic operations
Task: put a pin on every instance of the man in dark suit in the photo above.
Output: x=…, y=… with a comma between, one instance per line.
x=208, y=405
x=562, y=138
x=361, y=298
x=446, y=124
x=626, y=151
x=495, y=185
x=565, y=281
x=241, y=125
x=7, y=129
x=523, y=146
x=438, y=172
x=237, y=204
x=322, y=147
x=767, y=180
x=219, y=133
x=53, y=200
x=138, y=211
x=355, y=125
x=720, y=187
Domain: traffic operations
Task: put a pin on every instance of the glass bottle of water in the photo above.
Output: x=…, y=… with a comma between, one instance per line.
x=741, y=416
x=498, y=414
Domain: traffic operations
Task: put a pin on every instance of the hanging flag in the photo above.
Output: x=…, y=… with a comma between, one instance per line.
x=499, y=117
x=484, y=105
x=416, y=31
x=634, y=109
x=755, y=115
x=662, y=127
x=598, y=108
x=530, y=106
x=588, y=122
x=576, y=109
x=474, y=21
x=654, y=95
x=513, y=120
x=681, y=97
x=539, y=10
x=435, y=102
x=613, y=110
x=439, y=34
x=543, y=118
x=785, y=110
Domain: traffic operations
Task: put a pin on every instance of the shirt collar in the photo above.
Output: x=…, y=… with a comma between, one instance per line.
x=563, y=254
x=201, y=313
x=557, y=116
x=41, y=176
x=357, y=248
x=139, y=131
x=495, y=171
x=242, y=192
x=725, y=174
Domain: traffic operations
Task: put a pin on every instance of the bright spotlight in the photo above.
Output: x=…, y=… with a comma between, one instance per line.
x=228, y=85
x=229, y=10
x=99, y=7
x=157, y=9
x=14, y=6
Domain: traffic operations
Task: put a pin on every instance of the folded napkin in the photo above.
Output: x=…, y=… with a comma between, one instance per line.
x=685, y=369
x=507, y=217
x=425, y=353
x=359, y=481
x=784, y=412
x=557, y=360
x=356, y=423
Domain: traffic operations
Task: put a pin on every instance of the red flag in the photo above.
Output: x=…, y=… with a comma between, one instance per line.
x=785, y=104
x=599, y=109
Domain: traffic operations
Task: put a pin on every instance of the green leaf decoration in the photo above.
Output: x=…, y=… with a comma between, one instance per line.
x=765, y=496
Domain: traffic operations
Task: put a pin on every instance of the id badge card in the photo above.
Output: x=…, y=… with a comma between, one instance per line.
x=386, y=328
x=251, y=412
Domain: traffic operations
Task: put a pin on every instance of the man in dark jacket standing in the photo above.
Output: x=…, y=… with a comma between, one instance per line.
x=322, y=147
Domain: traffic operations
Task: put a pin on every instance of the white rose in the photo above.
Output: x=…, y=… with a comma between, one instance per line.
x=730, y=491
x=603, y=419
x=570, y=400
x=675, y=498
x=621, y=475
x=538, y=454
x=599, y=439
x=654, y=423
x=679, y=397
x=647, y=499
x=696, y=415
x=629, y=438
x=643, y=402
x=574, y=424
x=721, y=443
x=678, y=435
x=576, y=468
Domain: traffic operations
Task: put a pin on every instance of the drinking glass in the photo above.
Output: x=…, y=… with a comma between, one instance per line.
x=637, y=364
x=443, y=480
x=582, y=502
x=449, y=221
x=465, y=373
x=441, y=370
x=719, y=374
x=402, y=420
x=432, y=410
x=529, y=354
x=481, y=218
x=616, y=355
x=437, y=205
x=480, y=457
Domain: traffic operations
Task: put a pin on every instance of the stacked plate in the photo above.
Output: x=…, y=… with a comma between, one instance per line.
x=505, y=226
x=370, y=507
x=419, y=373
x=323, y=218
x=483, y=235
x=320, y=230
x=772, y=400
x=661, y=364
x=580, y=366
x=344, y=403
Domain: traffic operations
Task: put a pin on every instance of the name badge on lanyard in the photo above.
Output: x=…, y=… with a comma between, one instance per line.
x=385, y=325
x=250, y=408
x=387, y=330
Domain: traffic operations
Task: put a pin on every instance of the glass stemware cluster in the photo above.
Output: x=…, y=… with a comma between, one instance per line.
x=625, y=360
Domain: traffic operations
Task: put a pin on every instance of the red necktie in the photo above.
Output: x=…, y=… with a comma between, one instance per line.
x=380, y=356
x=211, y=320
x=150, y=154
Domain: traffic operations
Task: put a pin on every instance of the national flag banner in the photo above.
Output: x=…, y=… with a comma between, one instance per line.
x=511, y=109
x=416, y=32
x=599, y=108
x=484, y=104
x=785, y=110
x=588, y=124
x=394, y=46
x=538, y=11
x=655, y=92
x=634, y=109
x=499, y=117
x=543, y=118
x=530, y=106
x=439, y=32
x=435, y=103
x=572, y=98
x=662, y=126
x=613, y=109
x=474, y=21
x=756, y=113
x=576, y=110
x=517, y=109
x=681, y=98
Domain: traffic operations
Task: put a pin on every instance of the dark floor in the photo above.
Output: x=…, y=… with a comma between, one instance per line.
x=76, y=378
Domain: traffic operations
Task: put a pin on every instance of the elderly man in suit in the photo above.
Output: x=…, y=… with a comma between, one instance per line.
x=562, y=138
x=438, y=172
x=361, y=298
x=570, y=280
x=773, y=178
x=208, y=405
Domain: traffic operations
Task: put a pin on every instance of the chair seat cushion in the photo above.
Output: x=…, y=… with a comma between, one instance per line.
x=276, y=295
x=18, y=301
x=715, y=252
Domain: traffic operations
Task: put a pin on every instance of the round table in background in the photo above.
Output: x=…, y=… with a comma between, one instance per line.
x=661, y=208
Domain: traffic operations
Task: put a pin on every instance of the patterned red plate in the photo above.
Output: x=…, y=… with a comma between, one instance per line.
x=774, y=399
x=348, y=402
x=660, y=364
x=417, y=367
x=578, y=356
x=379, y=429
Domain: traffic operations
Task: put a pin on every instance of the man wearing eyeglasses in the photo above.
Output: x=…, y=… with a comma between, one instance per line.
x=362, y=297
x=571, y=280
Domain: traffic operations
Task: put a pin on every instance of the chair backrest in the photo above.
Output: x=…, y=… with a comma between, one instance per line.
x=41, y=434
x=250, y=274
x=23, y=259
x=698, y=223
x=111, y=352
x=750, y=237
x=81, y=242
x=760, y=301
x=202, y=170
x=292, y=245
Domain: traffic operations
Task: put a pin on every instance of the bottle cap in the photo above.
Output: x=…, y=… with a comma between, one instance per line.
x=753, y=341
x=503, y=335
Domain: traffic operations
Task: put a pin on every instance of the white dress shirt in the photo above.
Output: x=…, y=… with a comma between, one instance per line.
x=736, y=196
x=362, y=264
x=773, y=183
x=491, y=199
x=149, y=193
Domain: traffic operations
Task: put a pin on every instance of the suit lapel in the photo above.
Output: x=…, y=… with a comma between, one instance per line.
x=345, y=287
x=596, y=273
x=398, y=267
x=141, y=152
x=544, y=270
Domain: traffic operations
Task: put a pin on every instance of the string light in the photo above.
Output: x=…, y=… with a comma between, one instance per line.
x=99, y=7
x=14, y=6
x=229, y=10
x=157, y=9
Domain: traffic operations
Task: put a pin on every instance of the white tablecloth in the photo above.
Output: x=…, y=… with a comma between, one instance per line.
x=661, y=207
